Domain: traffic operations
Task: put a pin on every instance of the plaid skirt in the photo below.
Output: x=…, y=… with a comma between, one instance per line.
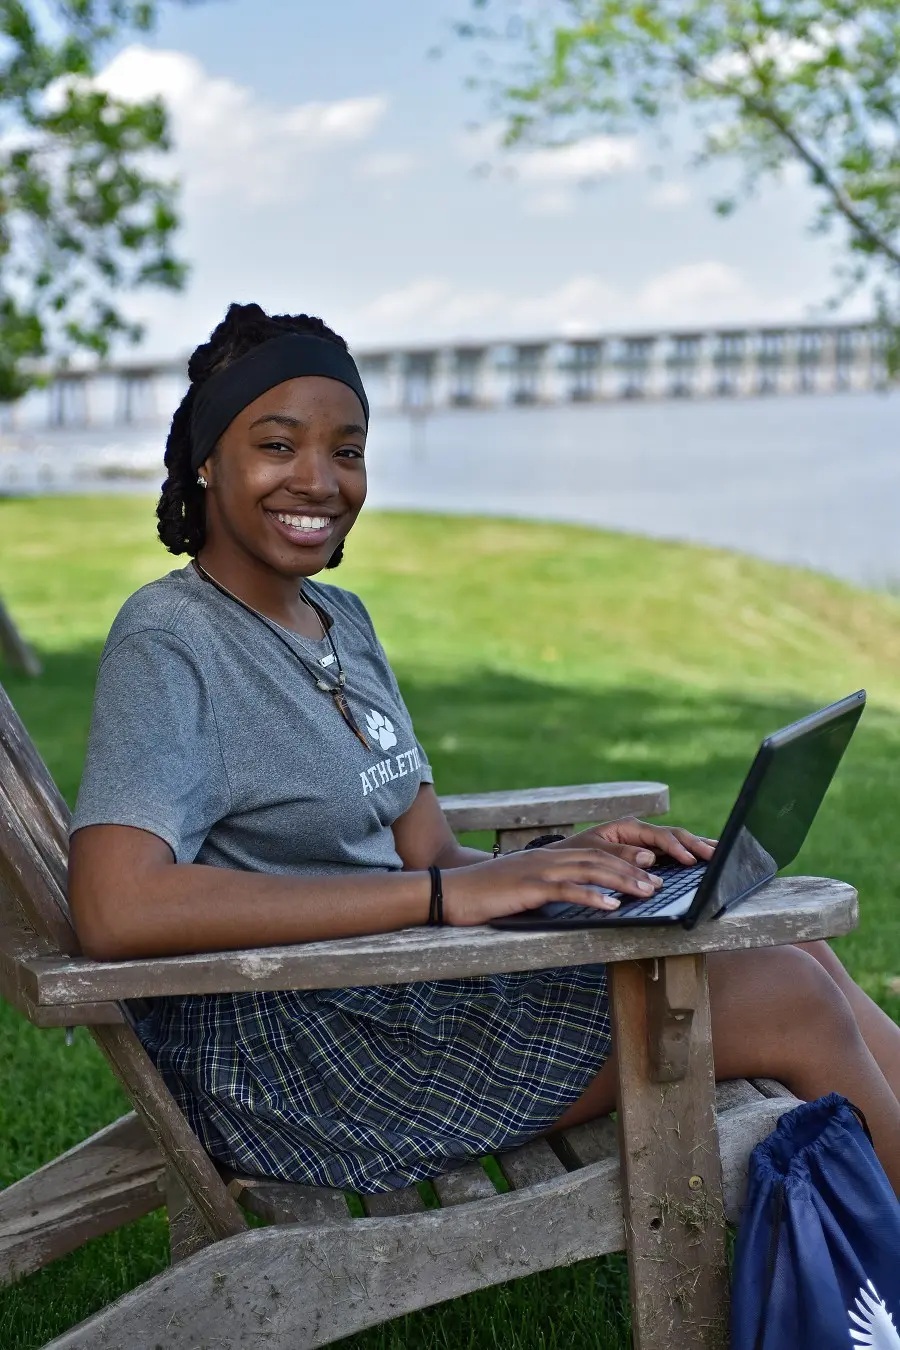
x=372, y=1089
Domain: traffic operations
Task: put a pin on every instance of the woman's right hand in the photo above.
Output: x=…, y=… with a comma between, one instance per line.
x=531, y=878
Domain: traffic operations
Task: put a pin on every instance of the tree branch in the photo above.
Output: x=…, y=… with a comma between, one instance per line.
x=769, y=113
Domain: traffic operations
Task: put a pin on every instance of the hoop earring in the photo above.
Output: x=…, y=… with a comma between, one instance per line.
x=201, y=481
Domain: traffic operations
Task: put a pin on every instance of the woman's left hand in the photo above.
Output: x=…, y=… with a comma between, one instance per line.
x=642, y=844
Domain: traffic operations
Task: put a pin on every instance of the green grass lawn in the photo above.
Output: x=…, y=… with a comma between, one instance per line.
x=528, y=654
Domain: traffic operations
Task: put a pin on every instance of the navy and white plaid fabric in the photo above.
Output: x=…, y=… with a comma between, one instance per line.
x=372, y=1089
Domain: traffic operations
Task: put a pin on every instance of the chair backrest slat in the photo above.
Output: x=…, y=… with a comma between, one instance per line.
x=33, y=856
x=36, y=814
x=28, y=883
x=20, y=751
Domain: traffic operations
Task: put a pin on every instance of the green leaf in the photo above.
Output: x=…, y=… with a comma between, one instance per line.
x=767, y=82
x=81, y=215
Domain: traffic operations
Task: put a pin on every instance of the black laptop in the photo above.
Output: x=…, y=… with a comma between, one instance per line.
x=764, y=832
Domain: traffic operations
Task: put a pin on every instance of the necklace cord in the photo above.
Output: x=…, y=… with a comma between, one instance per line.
x=336, y=690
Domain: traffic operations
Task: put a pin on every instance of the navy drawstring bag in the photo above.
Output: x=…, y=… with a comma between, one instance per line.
x=817, y=1260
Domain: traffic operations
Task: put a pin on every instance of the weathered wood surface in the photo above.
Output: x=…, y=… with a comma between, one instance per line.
x=33, y=861
x=530, y=1164
x=671, y=1173
x=303, y=1287
x=735, y=1092
x=137, y=1074
x=18, y=749
x=770, y=1087
x=673, y=996
x=385, y=1203
x=280, y=1202
x=788, y=909
x=589, y=1143
x=18, y=944
x=34, y=898
x=118, y=1175
x=111, y=1179
x=188, y=1233
x=218, y=1210
x=168, y=1127
x=14, y=647
x=464, y=1185
x=598, y=1139
x=32, y=808
x=550, y=806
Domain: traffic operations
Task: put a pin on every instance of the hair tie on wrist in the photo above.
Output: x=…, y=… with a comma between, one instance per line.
x=543, y=840
x=436, y=906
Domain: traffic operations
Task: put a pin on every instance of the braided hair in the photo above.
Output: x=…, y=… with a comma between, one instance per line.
x=181, y=512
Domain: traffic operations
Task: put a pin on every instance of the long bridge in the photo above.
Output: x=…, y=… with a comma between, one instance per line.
x=681, y=363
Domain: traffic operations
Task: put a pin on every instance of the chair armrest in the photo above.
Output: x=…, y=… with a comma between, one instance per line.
x=789, y=909
x=543, y=807
x=18, y=947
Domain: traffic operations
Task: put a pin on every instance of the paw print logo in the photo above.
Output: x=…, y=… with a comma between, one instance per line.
x=381, y=729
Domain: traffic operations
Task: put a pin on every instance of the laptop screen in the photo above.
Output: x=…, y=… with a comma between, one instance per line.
x=772, y=816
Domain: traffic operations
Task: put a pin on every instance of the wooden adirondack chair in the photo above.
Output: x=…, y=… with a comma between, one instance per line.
x=318, y=1274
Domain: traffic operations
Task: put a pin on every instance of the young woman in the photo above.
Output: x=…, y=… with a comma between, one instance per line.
x=253, y=778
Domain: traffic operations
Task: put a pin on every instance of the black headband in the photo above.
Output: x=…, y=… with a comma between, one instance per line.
x=220, y=398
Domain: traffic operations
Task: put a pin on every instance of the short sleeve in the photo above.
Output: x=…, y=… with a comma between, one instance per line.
x=154, y=759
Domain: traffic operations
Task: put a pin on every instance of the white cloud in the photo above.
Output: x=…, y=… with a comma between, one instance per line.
x=408, y=302
x=582, y=304
x=384, y=164
x=669, y=196
x=427, y=299
x=582, y=162
x=549, y=173
x=433, y=309
x=692, y=294
x=703, y=292
x=227, y=140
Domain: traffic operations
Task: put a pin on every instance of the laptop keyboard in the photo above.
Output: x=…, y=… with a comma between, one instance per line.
x=677, y=881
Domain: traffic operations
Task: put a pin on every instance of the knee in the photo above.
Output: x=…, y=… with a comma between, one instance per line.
x=822, y=953
x=811, y=988
x=786, y=993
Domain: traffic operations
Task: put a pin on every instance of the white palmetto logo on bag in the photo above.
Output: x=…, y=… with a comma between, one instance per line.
x=381, y=729
x=877, y=1326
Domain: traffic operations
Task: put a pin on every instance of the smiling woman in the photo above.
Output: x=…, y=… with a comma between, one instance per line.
x=253, y=778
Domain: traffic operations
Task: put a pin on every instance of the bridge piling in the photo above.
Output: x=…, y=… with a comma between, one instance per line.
x=746, y=362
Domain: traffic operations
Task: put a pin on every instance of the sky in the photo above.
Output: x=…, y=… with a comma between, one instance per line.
x=331, y=165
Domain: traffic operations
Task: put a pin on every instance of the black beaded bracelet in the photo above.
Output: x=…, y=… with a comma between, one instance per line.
x=436, y=907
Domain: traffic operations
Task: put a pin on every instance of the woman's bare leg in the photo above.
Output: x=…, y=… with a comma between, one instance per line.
x=778, y=1013
x=880, y=1033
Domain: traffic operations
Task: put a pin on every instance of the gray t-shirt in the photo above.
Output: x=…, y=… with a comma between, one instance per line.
x=209, y=732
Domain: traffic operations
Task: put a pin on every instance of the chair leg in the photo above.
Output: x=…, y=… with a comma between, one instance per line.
x=187, y=1231
x=110, y=1179
x=671, y=1170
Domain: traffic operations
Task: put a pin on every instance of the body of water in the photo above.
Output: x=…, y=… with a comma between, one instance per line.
x=809, y=480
